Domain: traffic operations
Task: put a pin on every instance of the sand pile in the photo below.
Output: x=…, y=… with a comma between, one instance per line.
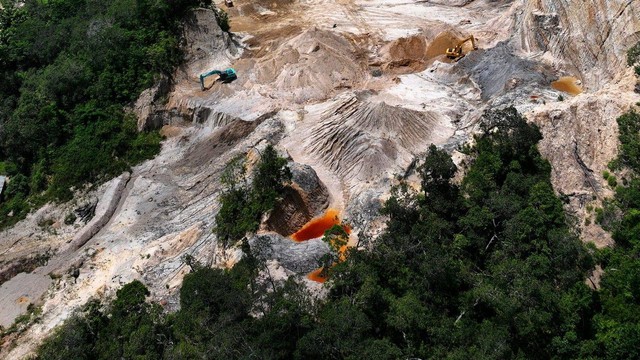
x=311, y=66
x=361, y=140
x=409, y=52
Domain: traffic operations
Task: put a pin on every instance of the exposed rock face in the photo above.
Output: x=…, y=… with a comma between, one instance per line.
x=207, y=47
x=104, y=210
x=149, y=108
x=301, y=258
x=498, y=71
x=304, y=199
x=587, y=39
x=580, y=139
x=590, y=37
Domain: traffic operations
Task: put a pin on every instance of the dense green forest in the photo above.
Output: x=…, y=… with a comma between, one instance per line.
x=67, y=69
x=487, y=269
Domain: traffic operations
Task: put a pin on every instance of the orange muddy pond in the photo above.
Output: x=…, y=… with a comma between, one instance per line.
x=316, y=227
x=317, y=276
x=567, y=84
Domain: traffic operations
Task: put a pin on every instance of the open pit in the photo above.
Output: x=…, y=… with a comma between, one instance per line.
x=306, y=86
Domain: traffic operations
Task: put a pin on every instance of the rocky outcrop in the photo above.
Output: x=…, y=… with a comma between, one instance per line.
x=104, y=210
x=299, y=257
x=305, y=198
x=207, y=47
x=588, y=37
x=498, y=71
x=149, y=107
x=580, y=137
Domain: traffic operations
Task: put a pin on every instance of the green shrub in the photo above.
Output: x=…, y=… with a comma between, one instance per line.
x=633, y=55
x=629, y=130
x=243, y=204
x=222, y=18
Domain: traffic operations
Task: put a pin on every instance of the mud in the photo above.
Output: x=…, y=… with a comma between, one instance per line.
x=567, y=84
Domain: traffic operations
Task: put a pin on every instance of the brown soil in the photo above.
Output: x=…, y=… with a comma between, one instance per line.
x=416, y=53
x=409, y=53
x=170, y=131
x=438, y=46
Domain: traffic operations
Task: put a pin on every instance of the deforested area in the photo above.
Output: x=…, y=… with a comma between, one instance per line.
x=319, y=179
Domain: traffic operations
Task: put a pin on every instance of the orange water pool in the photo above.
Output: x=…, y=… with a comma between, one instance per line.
x=316, y=227
x=316, y=275
x=567, y=84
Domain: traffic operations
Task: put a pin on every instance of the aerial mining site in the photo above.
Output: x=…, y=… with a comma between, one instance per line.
x=364, y=107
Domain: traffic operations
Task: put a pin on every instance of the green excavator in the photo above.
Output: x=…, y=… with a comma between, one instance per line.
x=226, y=76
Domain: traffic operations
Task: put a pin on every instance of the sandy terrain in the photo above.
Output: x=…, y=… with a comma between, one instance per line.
x=357, y=90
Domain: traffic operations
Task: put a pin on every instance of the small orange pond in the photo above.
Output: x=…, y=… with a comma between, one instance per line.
x=567, y=84
x=317, y=276
x=316, y=227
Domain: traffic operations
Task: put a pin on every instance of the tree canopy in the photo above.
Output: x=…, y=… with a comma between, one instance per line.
x=67, y=69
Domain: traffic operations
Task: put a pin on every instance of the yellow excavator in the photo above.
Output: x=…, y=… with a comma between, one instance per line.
x=456, y=53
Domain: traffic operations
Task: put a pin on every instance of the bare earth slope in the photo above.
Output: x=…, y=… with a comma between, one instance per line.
x=353, y=92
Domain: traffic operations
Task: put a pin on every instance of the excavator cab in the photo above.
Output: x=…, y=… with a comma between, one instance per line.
x=225, y=76
x=456, y=53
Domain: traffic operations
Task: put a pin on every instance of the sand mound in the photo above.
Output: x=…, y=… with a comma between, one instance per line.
x=407, y=52
x=361, y=140
x=311, y=66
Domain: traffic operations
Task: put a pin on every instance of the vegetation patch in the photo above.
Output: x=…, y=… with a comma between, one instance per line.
x=244, y=202
x=67, y=69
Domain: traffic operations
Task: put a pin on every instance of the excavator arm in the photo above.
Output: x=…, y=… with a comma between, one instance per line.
x=227, y=75
x=456, y=52
x=203, y=76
